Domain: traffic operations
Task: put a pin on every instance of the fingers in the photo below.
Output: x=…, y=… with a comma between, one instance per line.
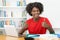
x=44, y=24
x=44, y=20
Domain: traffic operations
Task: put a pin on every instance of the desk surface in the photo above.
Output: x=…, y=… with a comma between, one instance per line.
x=3, y=37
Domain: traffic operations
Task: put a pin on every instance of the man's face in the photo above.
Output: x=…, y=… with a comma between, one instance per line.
x=35, y=12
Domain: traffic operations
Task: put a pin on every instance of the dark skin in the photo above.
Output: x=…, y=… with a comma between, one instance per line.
x=35, y=14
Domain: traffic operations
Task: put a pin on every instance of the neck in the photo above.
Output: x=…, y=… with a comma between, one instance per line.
x=36, y=19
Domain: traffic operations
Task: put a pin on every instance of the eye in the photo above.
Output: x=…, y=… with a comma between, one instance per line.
x=34, y=11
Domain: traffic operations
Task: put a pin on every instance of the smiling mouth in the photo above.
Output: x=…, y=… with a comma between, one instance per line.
x=36, y=15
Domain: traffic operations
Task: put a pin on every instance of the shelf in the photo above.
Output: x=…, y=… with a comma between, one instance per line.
x=13, y=6
x=12, y=17
x=1, y=28
x=16, y=28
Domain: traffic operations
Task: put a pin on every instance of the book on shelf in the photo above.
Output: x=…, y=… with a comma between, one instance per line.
x=4, y=2
x=21, y=3
x=1, y=23
x=24, y=13
x=2, y=13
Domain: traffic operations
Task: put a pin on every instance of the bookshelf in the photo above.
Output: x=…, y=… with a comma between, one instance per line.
x=12, y=12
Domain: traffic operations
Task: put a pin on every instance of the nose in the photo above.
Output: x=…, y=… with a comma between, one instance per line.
x=36, y=12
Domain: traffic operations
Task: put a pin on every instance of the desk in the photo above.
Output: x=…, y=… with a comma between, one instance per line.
x=3, y=37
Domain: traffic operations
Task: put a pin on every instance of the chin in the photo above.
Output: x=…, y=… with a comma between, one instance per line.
x=36, y=17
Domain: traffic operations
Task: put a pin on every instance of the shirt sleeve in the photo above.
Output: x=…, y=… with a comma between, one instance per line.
x=48, y=22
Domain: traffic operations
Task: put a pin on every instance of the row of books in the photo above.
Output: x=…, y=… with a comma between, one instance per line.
x=4, y=13
x=21, y=3
x=12, y=2
x=16, y=23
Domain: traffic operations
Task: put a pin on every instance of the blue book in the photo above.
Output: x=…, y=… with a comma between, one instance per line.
x=24, y=2
x=1, y=24
x=58, y=35
x=18, y=3
x=4, y=13
x=33, y=35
